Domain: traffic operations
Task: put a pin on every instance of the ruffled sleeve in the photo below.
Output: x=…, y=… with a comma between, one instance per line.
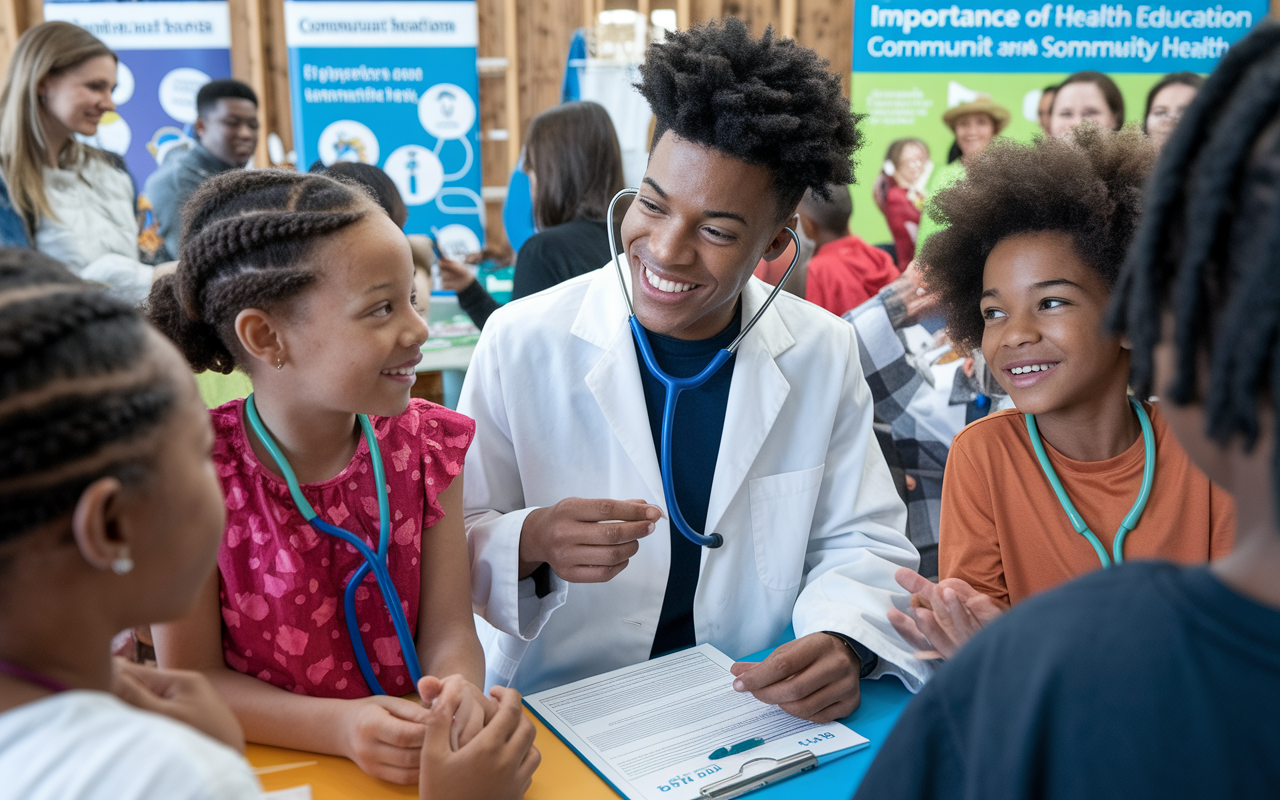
x=441, y=437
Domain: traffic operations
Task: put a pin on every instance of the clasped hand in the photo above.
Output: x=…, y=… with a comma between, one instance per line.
x=943, y=616
x=585, y=541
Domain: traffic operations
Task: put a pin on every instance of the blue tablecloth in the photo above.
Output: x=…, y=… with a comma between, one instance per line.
x=882, y=703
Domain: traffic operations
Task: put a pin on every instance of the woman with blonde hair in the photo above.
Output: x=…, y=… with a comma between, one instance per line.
x=75, y=202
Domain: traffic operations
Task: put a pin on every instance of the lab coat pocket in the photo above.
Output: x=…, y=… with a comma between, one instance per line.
x=781, y=516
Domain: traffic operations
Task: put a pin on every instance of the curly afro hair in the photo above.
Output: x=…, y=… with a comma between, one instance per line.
x=1089, y=187
x=765, y=101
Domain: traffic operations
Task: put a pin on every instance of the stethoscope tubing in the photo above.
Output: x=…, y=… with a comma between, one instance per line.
x=1130, y=520
x=676, y=386
x=373, y=562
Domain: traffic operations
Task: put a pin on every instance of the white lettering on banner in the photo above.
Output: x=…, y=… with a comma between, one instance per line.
x=880, y=47
x=150, y=26
x=380, y=24
x=1059, y=15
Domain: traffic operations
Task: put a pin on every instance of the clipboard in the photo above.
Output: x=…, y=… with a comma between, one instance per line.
x=650, y=730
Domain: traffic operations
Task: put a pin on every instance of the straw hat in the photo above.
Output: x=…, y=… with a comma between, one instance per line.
x=983, y=105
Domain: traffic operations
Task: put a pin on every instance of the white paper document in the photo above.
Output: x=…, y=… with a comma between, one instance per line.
x=650, y=729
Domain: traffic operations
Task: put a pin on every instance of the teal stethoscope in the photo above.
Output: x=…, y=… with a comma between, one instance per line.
x=375, y=562
x=675, y=386
x=1130, y=520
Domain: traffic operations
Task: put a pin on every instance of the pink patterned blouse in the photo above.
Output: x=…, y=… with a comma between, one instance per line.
x=281, y=581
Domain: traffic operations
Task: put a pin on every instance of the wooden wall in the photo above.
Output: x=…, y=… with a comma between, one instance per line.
x=537, y=30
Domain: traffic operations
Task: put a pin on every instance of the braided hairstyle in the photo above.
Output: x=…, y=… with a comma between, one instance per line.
x=1207, y=252
x=1088, y=186
x=76, y=392
x=247, y=238
x=765, y=101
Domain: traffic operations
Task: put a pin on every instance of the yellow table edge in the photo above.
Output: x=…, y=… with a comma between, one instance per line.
x=561, y=775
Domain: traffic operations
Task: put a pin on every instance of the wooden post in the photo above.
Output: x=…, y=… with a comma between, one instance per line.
x=684, y=14
x=787, y=25
x=515, y=130
x=248, y=64
x=16, y=16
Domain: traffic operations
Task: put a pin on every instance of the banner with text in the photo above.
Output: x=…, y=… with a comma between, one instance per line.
x=914, y=59
x=167, y=51
x=394, y=84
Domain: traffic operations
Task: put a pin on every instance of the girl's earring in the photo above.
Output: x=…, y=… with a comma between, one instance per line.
x=122, y=564
x=279, y=364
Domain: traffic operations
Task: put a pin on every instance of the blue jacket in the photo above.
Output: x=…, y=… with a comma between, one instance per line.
x=13, y=233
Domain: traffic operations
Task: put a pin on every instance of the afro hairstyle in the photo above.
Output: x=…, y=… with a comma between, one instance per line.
x=768, y=102
x=1089, y=187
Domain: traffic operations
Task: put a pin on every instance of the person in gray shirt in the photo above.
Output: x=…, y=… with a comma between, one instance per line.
x=226, y=132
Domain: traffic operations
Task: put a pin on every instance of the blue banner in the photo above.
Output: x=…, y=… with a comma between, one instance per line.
x=394, y=84
x=167, y=51
x=1029, y=36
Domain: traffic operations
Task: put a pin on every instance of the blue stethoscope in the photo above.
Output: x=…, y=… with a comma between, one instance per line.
x=675, y=386
x=375, y=562
x=1130, y=520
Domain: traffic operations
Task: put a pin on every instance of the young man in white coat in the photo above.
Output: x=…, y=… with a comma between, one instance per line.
x=775, y=452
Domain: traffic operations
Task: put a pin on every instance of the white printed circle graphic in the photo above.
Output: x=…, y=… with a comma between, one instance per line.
x=114, y=134
x=456, y=241
x=124, y=84
x=416, y=172
x=446, y=111
x=347, y=140
x=178, y=92
x=1031, y=105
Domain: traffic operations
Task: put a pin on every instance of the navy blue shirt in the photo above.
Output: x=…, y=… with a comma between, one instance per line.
x=1148, y=680
x=699, y=422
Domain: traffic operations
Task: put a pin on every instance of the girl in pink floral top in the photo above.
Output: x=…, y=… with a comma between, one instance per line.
x=305, y=284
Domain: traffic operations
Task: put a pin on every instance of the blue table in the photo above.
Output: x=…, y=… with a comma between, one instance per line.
x=882, y=704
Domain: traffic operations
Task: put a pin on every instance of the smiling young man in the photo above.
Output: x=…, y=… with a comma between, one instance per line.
x=775, y=452
x=226, y=135
x=1025, y=271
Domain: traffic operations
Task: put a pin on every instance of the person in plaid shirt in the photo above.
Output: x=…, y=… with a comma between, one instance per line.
x=924, y=394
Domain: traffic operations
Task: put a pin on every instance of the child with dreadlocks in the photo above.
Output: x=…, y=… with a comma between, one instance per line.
x=306, y=284
x=1080, y=475
x=1152, y=679
x=776, y=451
x=110, y=517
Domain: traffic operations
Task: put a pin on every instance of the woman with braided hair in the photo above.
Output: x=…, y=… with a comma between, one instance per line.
x=110, y=517
x=305, y=284
x=1153, y=680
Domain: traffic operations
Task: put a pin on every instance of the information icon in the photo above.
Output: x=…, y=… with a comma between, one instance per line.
x=178, y=92
x=348, y=140
x=446, y=111
x=416, y=172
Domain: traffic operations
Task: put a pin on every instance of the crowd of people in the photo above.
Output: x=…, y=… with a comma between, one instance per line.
x=1021, y=458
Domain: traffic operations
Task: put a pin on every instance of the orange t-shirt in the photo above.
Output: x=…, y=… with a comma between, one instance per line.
x=1003, y=530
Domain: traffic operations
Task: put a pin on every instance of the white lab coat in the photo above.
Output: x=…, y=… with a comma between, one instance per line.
x=812, y=524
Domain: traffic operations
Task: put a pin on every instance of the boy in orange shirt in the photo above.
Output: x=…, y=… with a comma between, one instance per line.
x=1080, y=474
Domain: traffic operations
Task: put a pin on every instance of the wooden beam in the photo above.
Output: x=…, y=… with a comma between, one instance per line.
x=787, y=23
x=248, y=63
x=510, y=39
x=684, y=14
x=16, y=16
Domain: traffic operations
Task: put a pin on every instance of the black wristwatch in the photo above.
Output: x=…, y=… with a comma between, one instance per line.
x=868, y=659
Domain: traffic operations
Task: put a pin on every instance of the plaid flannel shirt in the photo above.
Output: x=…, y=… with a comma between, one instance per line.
x=922, y=416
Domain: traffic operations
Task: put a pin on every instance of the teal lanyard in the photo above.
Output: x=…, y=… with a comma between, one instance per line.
x=1130, y=520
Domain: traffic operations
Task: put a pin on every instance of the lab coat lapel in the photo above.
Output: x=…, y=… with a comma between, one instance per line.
x=756, y=396
x=614, y=381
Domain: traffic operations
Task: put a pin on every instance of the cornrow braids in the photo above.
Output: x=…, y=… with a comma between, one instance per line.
x=1207, y=251
x=1088, y=187
x=76, y=393
x=766, y=101
x=247, y=237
